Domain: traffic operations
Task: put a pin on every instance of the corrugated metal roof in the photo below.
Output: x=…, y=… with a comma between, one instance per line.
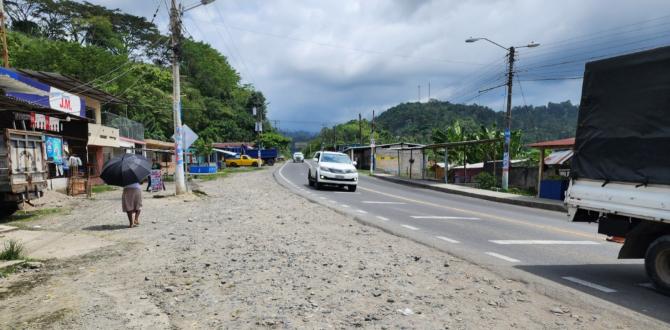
x=558, y=157
x=554, y=144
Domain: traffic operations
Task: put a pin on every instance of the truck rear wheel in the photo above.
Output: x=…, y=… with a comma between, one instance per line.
x=657, y=263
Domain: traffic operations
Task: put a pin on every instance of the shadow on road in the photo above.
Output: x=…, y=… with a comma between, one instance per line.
x=106, y=227
x=630, y=281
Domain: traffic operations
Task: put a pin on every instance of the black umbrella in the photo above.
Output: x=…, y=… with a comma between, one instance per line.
x=125, y=169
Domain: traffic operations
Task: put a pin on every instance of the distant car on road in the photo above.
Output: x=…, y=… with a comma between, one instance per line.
x=333, y=168
x=298, y=157
x=244, y=160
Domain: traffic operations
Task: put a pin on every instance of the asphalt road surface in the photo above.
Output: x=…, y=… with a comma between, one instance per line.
x=526, y=242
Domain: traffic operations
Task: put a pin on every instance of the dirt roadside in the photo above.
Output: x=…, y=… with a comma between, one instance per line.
x=251, y=254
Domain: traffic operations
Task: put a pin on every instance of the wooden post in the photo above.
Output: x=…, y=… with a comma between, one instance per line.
x=540, y=171
x=399, y=163
x=446, y=165
x=423, y=164
x=411, y=156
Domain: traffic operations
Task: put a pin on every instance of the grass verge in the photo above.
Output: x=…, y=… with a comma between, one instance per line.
x=102, y=188
x=12, y=250
x=225, y=172
x=35, y=214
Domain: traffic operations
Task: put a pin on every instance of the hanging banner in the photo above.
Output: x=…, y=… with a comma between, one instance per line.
x=54, y=148
x=64, y=101
x=26, y=89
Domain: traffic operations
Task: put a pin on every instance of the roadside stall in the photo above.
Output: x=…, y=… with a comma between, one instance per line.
x=56, y=117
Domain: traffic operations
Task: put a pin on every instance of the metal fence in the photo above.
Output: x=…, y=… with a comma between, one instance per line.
x=127, y=128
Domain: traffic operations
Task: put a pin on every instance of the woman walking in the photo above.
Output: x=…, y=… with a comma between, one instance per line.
x=131, y=201
x=127, y=171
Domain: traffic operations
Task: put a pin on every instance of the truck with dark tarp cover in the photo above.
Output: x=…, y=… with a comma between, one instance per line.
x=620, y=174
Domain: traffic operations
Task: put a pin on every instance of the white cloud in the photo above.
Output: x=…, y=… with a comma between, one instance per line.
x=328, y=60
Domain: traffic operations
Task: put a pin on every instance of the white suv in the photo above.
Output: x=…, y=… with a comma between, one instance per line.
x=333, y=168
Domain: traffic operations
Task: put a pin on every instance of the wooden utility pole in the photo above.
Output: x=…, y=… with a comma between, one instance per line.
x=175, y=29
x=508, y=121
x=360, y=129
x=3, y=35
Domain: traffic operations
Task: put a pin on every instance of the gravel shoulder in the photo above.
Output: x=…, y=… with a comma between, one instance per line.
x=251, y=254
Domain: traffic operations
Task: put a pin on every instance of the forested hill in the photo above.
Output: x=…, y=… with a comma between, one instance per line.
x=416, y=121
x=126, y=55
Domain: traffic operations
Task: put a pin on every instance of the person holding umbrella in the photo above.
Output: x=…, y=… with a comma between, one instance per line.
x=127, y=171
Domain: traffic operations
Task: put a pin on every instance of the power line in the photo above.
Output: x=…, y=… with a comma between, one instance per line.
x=353, y=49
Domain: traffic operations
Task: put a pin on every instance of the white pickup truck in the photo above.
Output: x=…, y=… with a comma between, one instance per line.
x=621, y=165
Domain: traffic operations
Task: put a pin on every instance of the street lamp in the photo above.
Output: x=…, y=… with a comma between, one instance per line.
x=508, y=116
x=175, y=27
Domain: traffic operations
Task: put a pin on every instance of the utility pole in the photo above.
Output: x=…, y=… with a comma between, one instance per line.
x=175, y=28
x=3, y=35
x=511, y=51
x=360, y=129
x=419, y=88
x=508, y=121
x=259, y=130
x=372, y=144
x=428, y=90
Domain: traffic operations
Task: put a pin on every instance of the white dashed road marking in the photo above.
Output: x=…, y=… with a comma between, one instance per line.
x=409, y=227
x=446, y=239
x=362, y=212
x=589, y=284
x=500, y=256
x=439, y=217
x=377, y=202
x=382, y=218
x=542, y=242
x=344, y=205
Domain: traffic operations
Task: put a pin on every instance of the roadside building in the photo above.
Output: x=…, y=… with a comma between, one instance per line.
x=224, y=150
x=161, y=152
x=554, y=169
x=389, y=158
x=33, y=109
x=102, y=141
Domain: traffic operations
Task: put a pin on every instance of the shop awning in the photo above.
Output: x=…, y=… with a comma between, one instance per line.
x=225, y=152
x=20, y=87
x=558, y=157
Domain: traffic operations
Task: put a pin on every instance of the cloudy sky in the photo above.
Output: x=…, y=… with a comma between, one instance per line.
x=319, y=62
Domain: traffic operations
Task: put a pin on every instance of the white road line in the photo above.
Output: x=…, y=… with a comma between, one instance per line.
x=500, y=256
x=409, y=227
x=362, y=212
x=589, y=284
x=647, y=285
x=347, y=192
x=344, y=205
x=382, y=218
x=322, y=197
x=442, y=217
x=446, y=239
x=378, y=202
x=542, y=242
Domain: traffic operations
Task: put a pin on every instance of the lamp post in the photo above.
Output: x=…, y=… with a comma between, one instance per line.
x=176, y=13
x=511, y=51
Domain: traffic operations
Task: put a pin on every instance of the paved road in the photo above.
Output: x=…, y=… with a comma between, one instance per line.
x=507, y=238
